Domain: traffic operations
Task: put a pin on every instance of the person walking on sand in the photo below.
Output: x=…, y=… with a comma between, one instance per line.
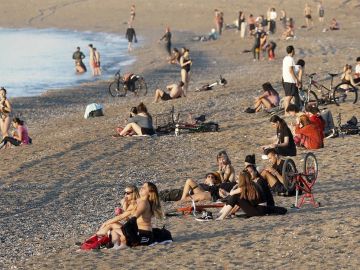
x=97, y=70
x=91, y=59
x=290, y=81
x=185, y=63
x=78, y=56
x=167, y=38
x=131, y=36
x=5, y=113
x=308, y=18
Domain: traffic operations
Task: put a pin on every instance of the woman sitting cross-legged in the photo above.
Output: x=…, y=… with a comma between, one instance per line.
x=307, y=134
x=140, y=123
x=129, y=205
x=248, y=196
x=20, y=137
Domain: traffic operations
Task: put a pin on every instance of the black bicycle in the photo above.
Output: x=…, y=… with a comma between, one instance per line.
x=122, y=84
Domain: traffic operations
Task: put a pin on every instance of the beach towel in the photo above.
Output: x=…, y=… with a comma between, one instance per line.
x=93, y=110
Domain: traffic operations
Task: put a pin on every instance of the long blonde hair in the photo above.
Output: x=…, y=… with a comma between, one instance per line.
x=154, y=201
x=248, y=189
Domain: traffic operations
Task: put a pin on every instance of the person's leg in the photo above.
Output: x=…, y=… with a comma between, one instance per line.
x=269, y=178
x=250, y=210
x=266, y=103
x=297, y=100
x=158, y=94
x=225, y=211
x=131, y=126
x=184, y=75
x=287, y=100
x=6, y=126
x=189, y=185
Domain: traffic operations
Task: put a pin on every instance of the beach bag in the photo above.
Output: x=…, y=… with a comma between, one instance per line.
x=95, y=242
x=162, y=235
x=168, y=195
x=93, y=110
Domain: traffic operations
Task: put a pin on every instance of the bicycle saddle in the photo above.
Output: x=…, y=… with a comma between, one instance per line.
x=333, y=74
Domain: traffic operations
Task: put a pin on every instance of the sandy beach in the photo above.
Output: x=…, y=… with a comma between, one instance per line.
x=60, y=189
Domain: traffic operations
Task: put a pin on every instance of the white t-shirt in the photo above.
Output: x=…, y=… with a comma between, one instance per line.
x=287, y=63
x=357, y=69
x=273, y=15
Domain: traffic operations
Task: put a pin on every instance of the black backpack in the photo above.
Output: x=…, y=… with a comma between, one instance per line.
x=162, y=235
x=168, y=195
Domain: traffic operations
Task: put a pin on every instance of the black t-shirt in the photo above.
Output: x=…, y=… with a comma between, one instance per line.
x=257, y=39
x=279, y=167
x=130, y=34
x=290, y=149
x=264, y=191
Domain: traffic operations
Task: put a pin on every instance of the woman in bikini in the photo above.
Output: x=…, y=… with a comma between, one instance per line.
x=185, y=63
x=5, y=113
x=268, y=100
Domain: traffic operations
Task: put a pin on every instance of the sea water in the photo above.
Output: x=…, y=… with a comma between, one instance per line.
x=33, y=61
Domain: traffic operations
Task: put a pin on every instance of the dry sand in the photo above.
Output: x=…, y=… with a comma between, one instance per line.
x=59, y=190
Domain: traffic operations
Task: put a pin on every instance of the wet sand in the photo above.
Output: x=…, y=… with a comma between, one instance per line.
x=57, y=191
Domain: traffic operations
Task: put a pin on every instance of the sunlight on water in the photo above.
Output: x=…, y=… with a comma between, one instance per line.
x=33, y=61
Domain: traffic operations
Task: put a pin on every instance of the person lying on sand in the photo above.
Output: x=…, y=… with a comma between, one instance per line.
x=175, y=91
x=139, y=122
x=129, y=206
x=140, y=232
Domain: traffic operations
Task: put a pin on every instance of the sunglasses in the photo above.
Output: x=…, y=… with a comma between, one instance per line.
x=128, y=192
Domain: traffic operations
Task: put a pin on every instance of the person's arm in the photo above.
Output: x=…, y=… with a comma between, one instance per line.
x=18, y=135
x=118, y=218
x=7, y=108
x=227, y=173
x=82, y=56
x=73, y=57
x=235, y=191
x=291, y=70
x=182, y=63
x=141, y=208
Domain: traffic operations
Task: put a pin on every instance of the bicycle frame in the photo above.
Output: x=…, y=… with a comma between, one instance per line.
x=306, y=187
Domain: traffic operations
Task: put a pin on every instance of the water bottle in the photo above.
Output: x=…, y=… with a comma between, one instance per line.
x=177, y=130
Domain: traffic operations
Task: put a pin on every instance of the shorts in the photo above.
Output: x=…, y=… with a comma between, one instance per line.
x=147, y=131
x=251, y=27
x=278, y=188
x=321, y=13
x=290, y=89
x=166, y=96
x=308, y=16
x=145, y=237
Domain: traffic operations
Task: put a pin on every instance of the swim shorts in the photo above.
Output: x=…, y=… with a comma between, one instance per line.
x=166, y=96
x=290, y=89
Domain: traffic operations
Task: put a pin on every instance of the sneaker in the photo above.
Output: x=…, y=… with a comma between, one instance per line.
x=333, y=134
x=205, y=216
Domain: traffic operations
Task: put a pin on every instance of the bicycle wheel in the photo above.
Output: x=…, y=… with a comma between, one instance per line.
x=288, y=173
x=310, y=167
x=116, y=89
x=345, y=93
x=140, y=87
x=310, y=98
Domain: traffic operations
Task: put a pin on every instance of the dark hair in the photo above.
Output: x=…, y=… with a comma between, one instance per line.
x=277, y=119
x=134, y=110
x=290, y=49
x=292, y=108
x=223, y=153
x=3, y=89
x=181, y=83
x=18, y=121
x=90, y=45
x=175, y=50
x=78, y=48
x=358, y=59
x=301, y=62
x=312, y=109
x=268, y=88
x=141, y=108
x=270, y=150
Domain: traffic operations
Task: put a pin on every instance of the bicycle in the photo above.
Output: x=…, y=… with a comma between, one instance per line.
x=344, y=92
x=302, y=182
x=133, y=83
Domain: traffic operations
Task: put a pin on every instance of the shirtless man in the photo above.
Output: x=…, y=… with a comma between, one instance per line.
x=92, y=59
x=176, y=91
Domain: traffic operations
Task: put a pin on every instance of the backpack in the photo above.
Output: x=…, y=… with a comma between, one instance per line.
x=93, y=110
x=168, y=195
x=162, y=236
x=95, y=242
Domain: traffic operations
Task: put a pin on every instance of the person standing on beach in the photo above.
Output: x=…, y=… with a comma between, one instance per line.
x=131, y=36
x=78, y=56
x=5, y=113
x=185, y=63
x=242, y=24
x=97, y=70
x=132, y=13
x=219, y=20
x=321, y=11
x=167, y=38
x=290, y=81
x=308, y=18
x=91, y=59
